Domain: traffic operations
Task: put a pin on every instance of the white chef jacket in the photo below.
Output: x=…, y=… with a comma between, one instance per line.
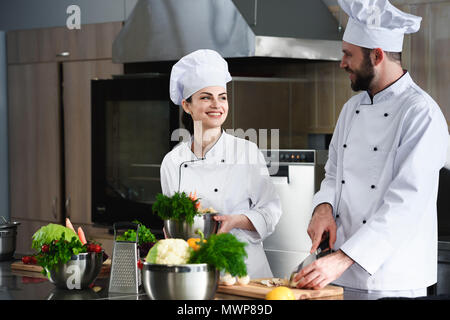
x=382, y=181
x=233, y=179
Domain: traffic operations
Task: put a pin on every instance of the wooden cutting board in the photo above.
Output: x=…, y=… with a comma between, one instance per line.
x=259, y=291
x=20, y=266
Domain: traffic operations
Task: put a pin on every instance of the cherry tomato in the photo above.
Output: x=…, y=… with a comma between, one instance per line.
x=45, y=248
x=140, y=264
x=26, y=259
x=97, y=248
x=33, y=260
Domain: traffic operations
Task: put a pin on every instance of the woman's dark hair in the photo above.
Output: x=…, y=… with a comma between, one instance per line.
x=186, y=119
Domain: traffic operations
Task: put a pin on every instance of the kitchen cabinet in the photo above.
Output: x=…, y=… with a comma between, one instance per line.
x=319, y=98
x=263, y=104
x=92, y=41
x=77, y=133
x=34, y=145
x=49, y=115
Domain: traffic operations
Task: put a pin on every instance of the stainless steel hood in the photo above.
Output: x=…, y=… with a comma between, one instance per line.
x=166, y=30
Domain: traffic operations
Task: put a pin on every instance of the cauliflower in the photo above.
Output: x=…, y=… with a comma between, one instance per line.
x=169, y=251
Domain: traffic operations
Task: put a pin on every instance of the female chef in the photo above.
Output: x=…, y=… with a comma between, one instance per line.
x=227, y=173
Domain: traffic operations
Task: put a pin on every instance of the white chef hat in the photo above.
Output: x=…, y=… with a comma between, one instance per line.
x=197, y=70
x=377, y=24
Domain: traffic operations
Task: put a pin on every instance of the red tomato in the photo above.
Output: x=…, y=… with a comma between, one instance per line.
x=33, y=260
x=97, y=248
x=140, y=264
x=45, y=248
x=26, y=259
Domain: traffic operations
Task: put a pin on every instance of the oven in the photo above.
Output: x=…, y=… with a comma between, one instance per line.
x=132, y=122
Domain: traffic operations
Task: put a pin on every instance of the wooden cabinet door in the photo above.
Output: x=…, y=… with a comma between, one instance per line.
x=77, y=78
x=92, y=41
x=34, y=141
x=263, y=105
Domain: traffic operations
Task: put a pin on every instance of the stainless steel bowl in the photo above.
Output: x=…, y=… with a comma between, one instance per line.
x=180, y=282
x=8, y=235
x=182, y=230
x=79, y=272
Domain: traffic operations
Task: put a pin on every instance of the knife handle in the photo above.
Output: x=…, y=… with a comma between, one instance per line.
x=325, y=244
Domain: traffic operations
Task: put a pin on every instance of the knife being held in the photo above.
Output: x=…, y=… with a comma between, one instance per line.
x=323, y=247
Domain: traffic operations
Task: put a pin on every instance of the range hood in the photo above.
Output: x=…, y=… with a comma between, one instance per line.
x=166, y=30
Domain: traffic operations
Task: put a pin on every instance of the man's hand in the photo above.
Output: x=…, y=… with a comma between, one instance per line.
x=323, y=271
x=322, y=222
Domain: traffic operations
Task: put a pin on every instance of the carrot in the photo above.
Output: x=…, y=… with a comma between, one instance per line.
x=69, y=225
x=81, y=236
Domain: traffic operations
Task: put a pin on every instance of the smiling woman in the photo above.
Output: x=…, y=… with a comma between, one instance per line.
x=216, y=98
x=208, y=108
x=229, y=174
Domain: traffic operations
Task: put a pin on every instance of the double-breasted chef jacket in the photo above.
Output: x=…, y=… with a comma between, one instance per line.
x=382, y=181
x=233, y=179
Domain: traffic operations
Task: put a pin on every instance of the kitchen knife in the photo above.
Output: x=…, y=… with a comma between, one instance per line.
x=323, y=247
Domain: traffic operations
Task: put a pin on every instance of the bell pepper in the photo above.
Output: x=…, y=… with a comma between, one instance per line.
x=195, y=243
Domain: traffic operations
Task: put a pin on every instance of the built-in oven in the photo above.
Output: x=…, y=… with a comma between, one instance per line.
x=297, y=175
x=132, y=123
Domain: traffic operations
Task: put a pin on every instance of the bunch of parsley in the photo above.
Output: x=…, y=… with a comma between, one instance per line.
x=179, y=207
x=223, y=251
x=145, y=235
x=59, y=251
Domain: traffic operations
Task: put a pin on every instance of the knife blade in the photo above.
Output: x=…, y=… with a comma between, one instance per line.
x=323, y=247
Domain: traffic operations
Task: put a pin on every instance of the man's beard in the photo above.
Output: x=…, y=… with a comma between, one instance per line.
x=363, y=76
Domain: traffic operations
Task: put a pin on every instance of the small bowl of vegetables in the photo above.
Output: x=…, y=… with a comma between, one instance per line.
x=79, y=272
x=176, y=269
x=183, y=216
x=68, y=260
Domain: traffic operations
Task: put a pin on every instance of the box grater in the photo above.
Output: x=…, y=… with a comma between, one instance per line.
x=125, y=275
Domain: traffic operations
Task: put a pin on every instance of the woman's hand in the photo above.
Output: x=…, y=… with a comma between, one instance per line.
x=231, y=221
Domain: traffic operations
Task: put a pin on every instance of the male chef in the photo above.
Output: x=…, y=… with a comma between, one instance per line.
x=378, y=199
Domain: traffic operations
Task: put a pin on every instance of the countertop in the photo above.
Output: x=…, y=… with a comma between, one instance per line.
x=21, y=285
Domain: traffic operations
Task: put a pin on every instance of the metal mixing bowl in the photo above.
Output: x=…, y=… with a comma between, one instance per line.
x=8, y=235
x=182, y=230
x=180, y=282
x=79, y=272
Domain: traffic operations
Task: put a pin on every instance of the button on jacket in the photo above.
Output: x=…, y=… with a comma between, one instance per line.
x=395, y=146
x=233, y=179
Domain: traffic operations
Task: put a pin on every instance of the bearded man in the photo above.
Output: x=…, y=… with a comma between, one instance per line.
x=377, y=203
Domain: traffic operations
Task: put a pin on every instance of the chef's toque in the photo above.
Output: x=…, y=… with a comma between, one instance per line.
x=377, y=24
x=197, y=70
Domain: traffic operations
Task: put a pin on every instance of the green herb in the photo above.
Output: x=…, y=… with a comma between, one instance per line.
x=58, y=251
x=223, y=251
x=145, y=235
x=179, y=207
